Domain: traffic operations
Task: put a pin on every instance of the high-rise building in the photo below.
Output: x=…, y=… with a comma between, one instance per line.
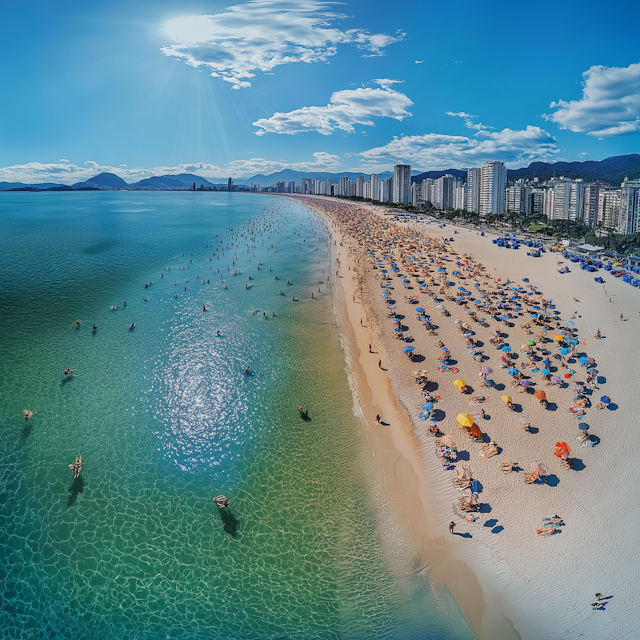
x=576, y=200
x=291, y=187
x=402, y=183
x=428, y=194
x=230, y=185
x=609, y=207
x=473, y=190
x=537, y=202
x=518, y=199
x=460, y=198
x=360, y=187
x=416, y=194
x=306, y=185
x=628, y=221
x=386, y=190
x=493, y=180
x=561, y=198
x=374, y=188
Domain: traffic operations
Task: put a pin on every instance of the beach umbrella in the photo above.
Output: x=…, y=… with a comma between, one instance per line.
x=512, y=371
x=398, y=329
x=605, y=399
x=592, y=371
x=583, y=427
x=564, y=351
x=571, y=371
x=465, y=419
x=427, y=406
x=408, y=349
x=486, y=369
x=460, y=383
x=524, y=420
x=506, y=348
x=558, y=337
x=506, y=398
x=541, y=395
x=385, y=295
x=539, y=469
x=524, y=383
x=530, y=343
x=475, y=431
x=448, y=441
x=419, y=309
x=561, y=449
x=545, y=372
x=556, y=379
x=384, y=271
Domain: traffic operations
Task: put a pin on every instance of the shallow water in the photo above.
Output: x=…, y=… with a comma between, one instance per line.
x=165, y=419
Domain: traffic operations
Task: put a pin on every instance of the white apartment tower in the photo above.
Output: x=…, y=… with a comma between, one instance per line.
x=374, y=189
x=402, y=183
x=473, y=190
x=360, y=187
x=561, y=199
x=629, y=207
x=493, y=180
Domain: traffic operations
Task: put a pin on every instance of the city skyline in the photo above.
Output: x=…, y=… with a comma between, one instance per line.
x=218, y=89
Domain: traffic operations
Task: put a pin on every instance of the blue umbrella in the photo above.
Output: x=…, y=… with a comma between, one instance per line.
x=427, y=406
x=396, y=270
x=397, y=320
x=583, y=427
x=444, y=349
x=545, y=372
x=408, y=349
x=398, y=329
x=574, y=342
x=506, y=348
x=419, y=309
x=385, y=296
x=384, y=271
x=533, y=315
x=546, y=362
x=513, y=371
x=592, y=371
x=564, y=352
x=461, y=289
x=605, y=399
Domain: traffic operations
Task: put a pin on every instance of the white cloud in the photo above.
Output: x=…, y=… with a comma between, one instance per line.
x=419, y=61
x=610, y=103
x=468, y=120
x=440, y=151
x=346, y=108
x=37, y=172
x=263, y=34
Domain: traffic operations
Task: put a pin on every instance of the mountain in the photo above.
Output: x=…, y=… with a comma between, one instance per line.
x=6, y=186
x=458, y=173
x=611, y=170
x=190, y=178
x=103, y=181
x=160, y=182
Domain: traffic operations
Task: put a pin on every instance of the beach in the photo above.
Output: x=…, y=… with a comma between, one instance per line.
x=509, y=581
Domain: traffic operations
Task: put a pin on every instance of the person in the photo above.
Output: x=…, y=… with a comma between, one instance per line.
x=598, y=335
x=77, y=323
x=380, y=364
x=68, y=371
x=360, y=321
x=132, y=326
x=378, y=418
x=621, y=317
x=27, y=414
x=218, y=332
x=598, y=596
x=369, y=348
x=451, y=526
x=95, y=326
x=247, y=370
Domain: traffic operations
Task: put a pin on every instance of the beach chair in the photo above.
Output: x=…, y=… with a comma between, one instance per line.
x=489, y=450
x=530, y=478
x=507, y=467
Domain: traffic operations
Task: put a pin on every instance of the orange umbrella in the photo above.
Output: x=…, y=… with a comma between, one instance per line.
x=475, y=431
x=541, y=395
x=561, y=449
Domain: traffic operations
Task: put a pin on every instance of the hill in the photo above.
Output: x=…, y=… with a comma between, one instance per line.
x=612, y=170
x=458, y=173
x=160, y=182
x=103, y=181
x=7, y=186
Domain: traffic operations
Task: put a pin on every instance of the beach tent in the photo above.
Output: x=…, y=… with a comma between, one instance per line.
x=538, y=468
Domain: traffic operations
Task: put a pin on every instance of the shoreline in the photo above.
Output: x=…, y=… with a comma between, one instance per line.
x=504, y=577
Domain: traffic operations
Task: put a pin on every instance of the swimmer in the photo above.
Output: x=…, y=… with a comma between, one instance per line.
x=68, y=371
x=77, y=323
x=146, y=299
x=132, y=326
x=204, y=307
x=247, y=370
x=95, y=326
x=218, y=333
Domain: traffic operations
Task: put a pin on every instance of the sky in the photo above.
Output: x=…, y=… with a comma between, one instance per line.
x=151, y=87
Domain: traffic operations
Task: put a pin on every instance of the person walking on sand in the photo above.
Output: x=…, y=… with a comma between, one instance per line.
x=451, y=526
x=379, y=364
x=369, y=348
x=621, y=318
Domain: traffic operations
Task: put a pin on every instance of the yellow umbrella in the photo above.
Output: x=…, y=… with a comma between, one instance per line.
x=506, y=398
x=558, y=337
x=460, y=383
x=465, y=419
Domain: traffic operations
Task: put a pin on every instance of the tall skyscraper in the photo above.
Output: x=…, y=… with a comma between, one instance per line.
x=473, y=190
x=386, y=190
x=360, y=186
x=374, y=189
x=628, y=221
x=561, y=198
x=493, y=180
x=230, y=185
x=576, y=200
x=402, y=183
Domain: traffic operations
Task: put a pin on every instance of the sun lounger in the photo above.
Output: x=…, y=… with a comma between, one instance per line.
x=507, y=467
x=530, y=478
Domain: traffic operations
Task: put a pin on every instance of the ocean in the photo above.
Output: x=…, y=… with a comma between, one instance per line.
x=165, y=418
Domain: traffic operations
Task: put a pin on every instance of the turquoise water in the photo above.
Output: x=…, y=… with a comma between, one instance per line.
x=165, y=419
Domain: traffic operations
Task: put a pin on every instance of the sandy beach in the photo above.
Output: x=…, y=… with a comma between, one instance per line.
x=509, y=581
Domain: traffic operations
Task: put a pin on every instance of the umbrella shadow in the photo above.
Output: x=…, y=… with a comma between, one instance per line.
x=305, y=415
x=26, y=430
x=552, y=480
x=499, y=387
x=612, y=406
x=463, y=456
x=577, y=464
x=76, y=488
x=418, y=358
x=229, y=522
x=552, y=406
x=66, y=380
x=438, y=415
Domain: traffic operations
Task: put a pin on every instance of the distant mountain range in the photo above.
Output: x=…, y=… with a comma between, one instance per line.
x=610, y=170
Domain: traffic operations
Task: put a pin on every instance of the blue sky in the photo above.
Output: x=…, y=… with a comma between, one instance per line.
x=128, y=86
